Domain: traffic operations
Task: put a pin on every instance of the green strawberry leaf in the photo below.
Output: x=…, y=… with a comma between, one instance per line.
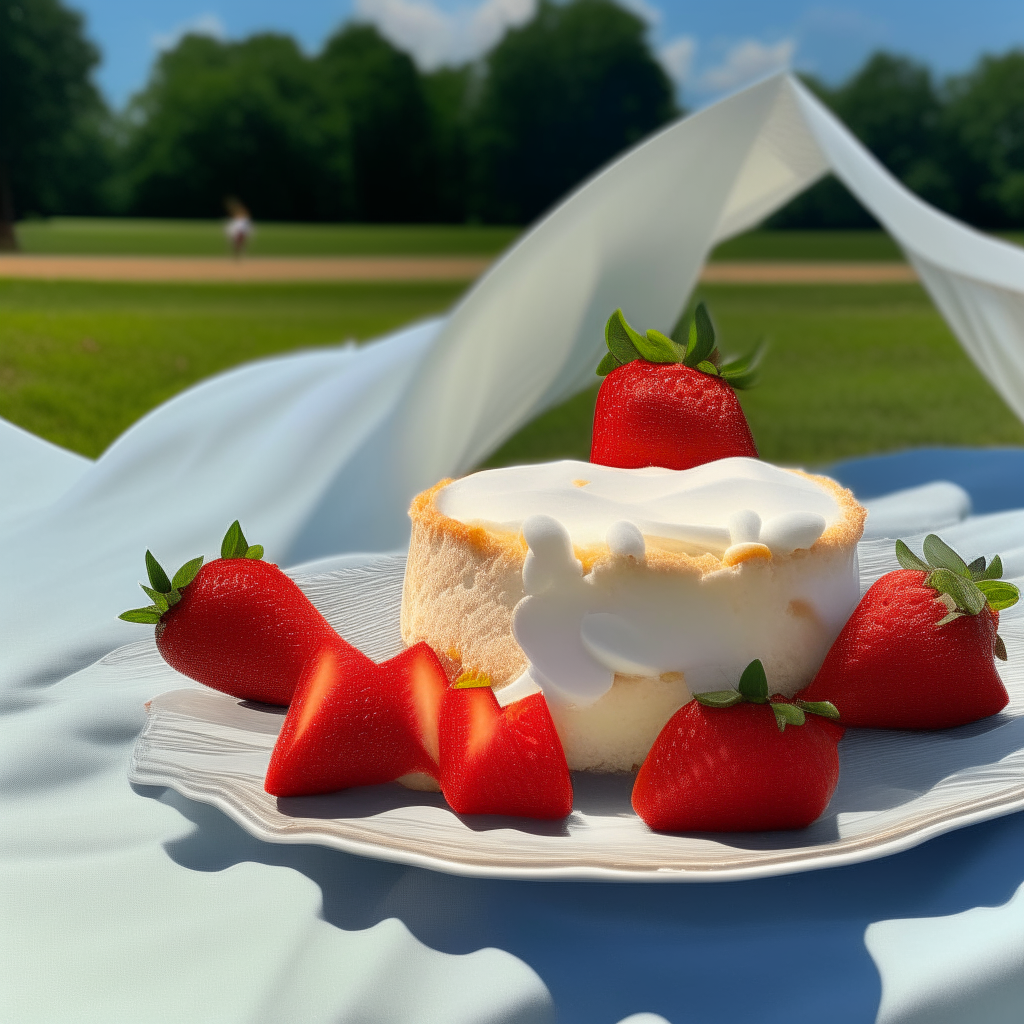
x=718, y=698
x=744, y=372
x=965, y=594
x=977, y=568
x=999, y=593
x=666, y=344
x=908, y=560
x=701, y=342
x=621, y=338
x=607, y=364
x=824, y=708
x=234, y=544
x=255, y=552
x=159, y=600
x=157, y=576
x=187, y=573
x=705, y=366
x=941, y=556
x=656, y=347
x=994, y=570
x=787, y=714
x=754, y=683
x=150, y=615
x=999, y=648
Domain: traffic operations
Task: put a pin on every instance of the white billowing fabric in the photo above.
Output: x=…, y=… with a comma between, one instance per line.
x=947, y=970
x=319, y=453
x=929, y=507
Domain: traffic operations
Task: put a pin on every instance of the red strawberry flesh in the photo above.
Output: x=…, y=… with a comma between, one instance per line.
x=894, y=667
x=242, y=626
x=498, y=760
x=355, y=723
x=667, y=414
x=733, y=770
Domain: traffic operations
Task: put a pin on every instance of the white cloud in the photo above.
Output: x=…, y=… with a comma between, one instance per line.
x=647, y=12
x=434, y=37
x=676, y=57
x=208, y=24
x=746, y=61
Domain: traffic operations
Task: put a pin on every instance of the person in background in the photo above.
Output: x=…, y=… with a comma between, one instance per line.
x=239, y=227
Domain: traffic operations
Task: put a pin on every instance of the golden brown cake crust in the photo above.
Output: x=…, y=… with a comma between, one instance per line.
x=424, y=513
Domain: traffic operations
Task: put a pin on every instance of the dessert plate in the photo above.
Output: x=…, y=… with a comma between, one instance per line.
x=896, y=789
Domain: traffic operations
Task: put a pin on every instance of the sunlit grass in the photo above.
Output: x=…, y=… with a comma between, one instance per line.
x=138, y=237
x=79, y=363
x=851, y=370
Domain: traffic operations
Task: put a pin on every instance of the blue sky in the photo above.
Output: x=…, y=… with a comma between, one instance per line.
x=710, y=48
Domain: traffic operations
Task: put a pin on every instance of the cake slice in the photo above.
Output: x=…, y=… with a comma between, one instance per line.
x=620, y=592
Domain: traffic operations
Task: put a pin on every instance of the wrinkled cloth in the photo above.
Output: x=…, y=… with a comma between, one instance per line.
x=129, y=904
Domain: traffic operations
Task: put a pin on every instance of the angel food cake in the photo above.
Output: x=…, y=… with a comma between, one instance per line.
x=621, y=592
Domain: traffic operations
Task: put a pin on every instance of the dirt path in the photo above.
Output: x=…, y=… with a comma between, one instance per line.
x=395, y=268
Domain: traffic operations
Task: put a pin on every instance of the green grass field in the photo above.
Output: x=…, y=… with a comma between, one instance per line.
x=139, y=237
x=79, y=363
x=852, y=370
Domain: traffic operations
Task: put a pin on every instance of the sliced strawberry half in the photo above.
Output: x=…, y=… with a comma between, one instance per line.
x=356, y=723
x=498, y=760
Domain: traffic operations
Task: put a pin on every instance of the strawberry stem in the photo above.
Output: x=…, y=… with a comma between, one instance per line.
x=964, y=589
x=626, y=344
x=753, y=689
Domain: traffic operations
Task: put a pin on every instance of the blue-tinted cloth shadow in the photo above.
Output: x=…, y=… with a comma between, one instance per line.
x=994, y=477
x=775, y=951
x=786, y=950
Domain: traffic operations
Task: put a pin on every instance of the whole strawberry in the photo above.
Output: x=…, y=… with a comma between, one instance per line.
x=918, y=651
x=661, y=404
x=737, y=761
x=237, y=624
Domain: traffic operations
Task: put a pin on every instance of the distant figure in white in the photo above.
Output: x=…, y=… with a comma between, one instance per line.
x=239, y=227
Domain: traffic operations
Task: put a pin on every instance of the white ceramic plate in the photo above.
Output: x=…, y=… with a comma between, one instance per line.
x=896, y=789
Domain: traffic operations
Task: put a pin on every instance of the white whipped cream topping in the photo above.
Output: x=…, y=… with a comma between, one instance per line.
x=705, y=509
x=578, y=630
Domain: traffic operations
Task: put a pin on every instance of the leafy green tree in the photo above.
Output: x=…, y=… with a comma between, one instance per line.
x=246, y=119
x=984, y=119
x=893, y=107
x=450, y=94
x=561, y=95
x=376, y=88
x=53, y=156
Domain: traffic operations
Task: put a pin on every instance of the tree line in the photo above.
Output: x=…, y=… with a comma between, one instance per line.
x=357, y=132
x=957, y=143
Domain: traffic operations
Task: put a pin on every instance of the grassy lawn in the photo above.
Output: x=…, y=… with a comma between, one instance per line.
x=137, y=237
x=79, y=363
x=809, y=246
x=852, y=370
